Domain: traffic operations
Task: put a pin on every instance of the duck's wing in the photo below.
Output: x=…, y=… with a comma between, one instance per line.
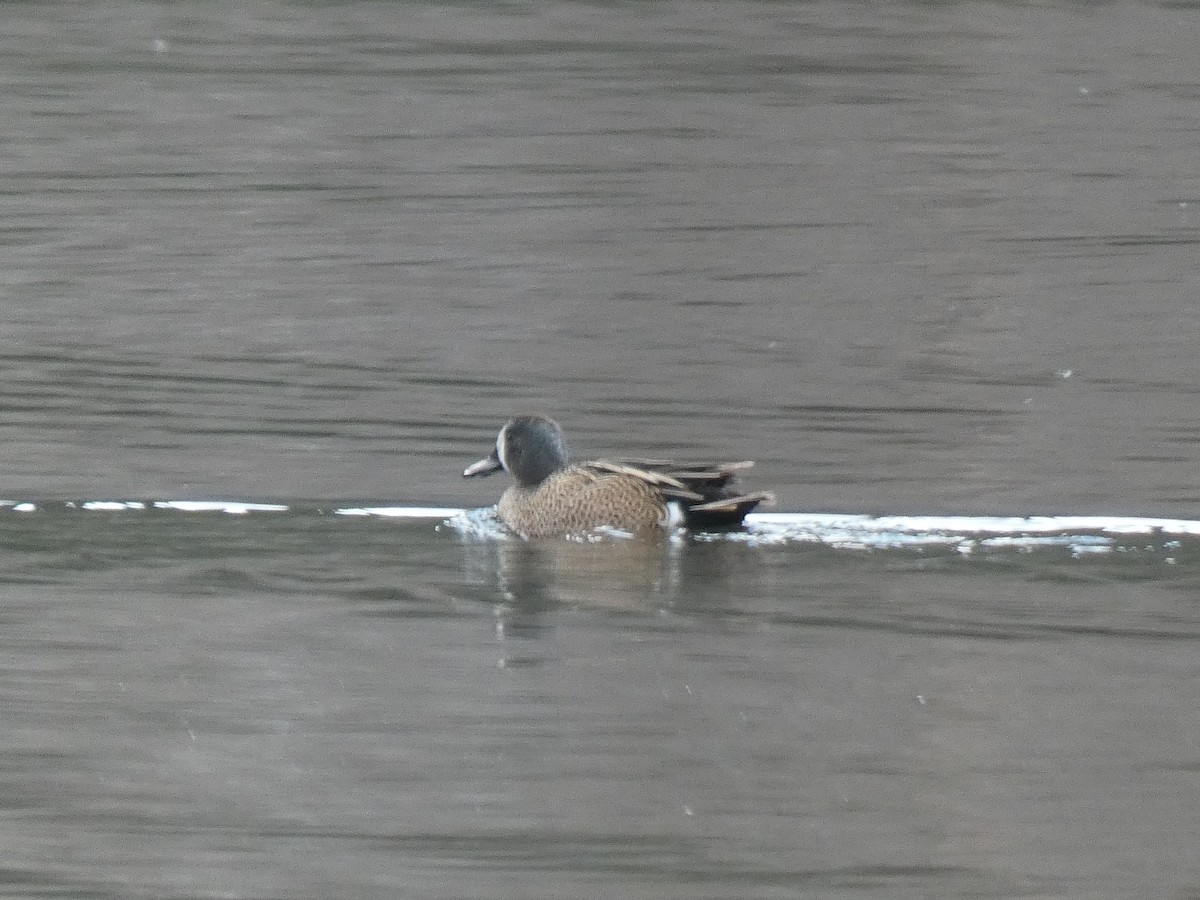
x=666, y=482
x=704, y=489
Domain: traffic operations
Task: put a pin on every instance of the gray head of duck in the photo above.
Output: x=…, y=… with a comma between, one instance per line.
x=530, y=448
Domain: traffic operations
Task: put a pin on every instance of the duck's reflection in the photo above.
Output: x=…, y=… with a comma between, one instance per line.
x=664, y=572
x=612, y=572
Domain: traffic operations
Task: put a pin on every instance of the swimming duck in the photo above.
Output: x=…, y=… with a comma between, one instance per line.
x=553, y=496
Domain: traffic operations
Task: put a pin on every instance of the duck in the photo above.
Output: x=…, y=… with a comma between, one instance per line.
x=554, y=496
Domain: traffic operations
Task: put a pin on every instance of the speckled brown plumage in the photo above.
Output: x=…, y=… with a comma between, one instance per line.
x=580, y=498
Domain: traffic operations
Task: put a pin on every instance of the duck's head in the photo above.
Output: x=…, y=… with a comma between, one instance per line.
x=530, y=448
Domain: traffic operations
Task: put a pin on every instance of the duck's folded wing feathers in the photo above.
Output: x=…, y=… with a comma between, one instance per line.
x=667, y=483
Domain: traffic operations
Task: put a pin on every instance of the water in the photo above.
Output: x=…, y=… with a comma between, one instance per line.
x=932, y=266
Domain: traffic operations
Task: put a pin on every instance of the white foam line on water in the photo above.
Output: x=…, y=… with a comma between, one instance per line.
x=849, y=527
x=1013, y=525
x=227, y=506
x=401, y=512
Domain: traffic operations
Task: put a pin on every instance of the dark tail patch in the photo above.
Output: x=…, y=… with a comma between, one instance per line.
x=724, y=512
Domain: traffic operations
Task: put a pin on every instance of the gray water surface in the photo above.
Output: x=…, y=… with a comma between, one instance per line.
x=300, y=704
x=912, y=258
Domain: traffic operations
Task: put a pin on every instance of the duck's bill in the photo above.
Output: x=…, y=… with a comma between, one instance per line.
x=485, y=466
